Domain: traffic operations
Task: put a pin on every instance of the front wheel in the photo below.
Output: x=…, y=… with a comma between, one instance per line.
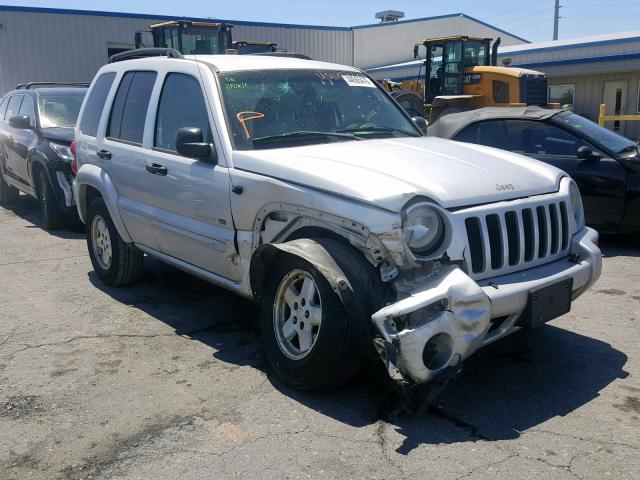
x=308, y=339
x=115, y=262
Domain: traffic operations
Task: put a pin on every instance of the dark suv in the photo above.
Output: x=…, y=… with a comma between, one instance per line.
x=37, y=122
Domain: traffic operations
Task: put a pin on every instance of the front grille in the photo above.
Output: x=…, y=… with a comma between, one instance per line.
x=513, y=239
x=533, y=90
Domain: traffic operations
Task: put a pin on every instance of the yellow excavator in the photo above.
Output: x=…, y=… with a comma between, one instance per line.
x=461, y=73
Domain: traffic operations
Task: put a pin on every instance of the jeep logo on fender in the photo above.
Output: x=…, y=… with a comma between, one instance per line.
x=505, y=186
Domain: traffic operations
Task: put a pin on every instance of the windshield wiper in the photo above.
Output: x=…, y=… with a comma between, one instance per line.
x=302, y=134
x=377, y=129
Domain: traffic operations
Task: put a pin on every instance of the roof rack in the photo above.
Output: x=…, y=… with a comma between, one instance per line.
x=30, y=85
x=145, y=52
x=284, y=54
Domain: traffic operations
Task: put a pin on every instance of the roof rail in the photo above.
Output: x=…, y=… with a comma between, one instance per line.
x=28, y=86
x=284, y=54
x=145, y=52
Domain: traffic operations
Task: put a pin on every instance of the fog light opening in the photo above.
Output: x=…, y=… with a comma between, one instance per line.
x=437, y=351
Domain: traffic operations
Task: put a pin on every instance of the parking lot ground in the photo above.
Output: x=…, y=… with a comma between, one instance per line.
x=167, y=379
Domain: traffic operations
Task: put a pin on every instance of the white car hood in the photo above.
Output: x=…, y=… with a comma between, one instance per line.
x=389, y=172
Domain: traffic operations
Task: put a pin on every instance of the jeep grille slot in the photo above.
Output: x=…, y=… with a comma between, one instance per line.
x=507, y=240
x=495, y=240
x=474, y=235
x=543, y=231
x=565, y=225
x=513, y=237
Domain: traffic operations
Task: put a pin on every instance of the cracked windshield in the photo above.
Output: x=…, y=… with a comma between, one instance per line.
x=277, y=108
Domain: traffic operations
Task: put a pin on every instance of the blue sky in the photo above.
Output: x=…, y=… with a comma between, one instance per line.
x=530, y=19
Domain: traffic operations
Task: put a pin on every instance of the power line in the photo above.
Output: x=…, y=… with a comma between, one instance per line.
x=534, y=24
x=515, y=19
x=536, y=4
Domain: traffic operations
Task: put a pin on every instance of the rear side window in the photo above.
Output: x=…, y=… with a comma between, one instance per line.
x=129, y=110
x=26, y=108
x=3, y=107
x=14, y=106
x=95, y=104
x=181, y=105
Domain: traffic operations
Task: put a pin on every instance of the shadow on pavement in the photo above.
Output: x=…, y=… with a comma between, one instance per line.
x=504, y=389
x=28, y=209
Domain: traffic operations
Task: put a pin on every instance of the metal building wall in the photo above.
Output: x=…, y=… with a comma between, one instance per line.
x=588, y=95
x=329, y=45
x=54, y=47
x=582, y=48
x=66, y=45
x=40, y=46
x=390, y=43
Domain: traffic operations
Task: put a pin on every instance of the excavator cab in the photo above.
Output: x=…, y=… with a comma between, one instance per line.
x=447, y=62
x=190, y=38
x=461, y=73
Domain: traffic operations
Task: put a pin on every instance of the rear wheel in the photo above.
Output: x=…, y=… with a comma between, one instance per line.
x=115, y=262
x=52, y=217
x=308, y=339
x=8, y=194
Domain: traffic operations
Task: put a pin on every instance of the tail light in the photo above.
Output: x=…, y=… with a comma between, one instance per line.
x=74, y=162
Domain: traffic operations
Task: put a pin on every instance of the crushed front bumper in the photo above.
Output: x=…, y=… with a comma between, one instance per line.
x=449, y=317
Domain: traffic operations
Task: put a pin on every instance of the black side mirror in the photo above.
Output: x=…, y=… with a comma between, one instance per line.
x=20, y=121
x=421, y=123
x=586, y=153
x=416, y=50
x=190, y=143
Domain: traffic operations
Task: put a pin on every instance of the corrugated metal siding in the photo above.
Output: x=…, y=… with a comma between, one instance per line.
x=588, y=96
x=321, y=44
x=47, y=46
x=393, y=43
x=570, y=52
x=70, y=47
x=52, y=47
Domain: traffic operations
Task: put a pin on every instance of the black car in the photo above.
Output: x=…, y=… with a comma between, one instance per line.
x=37, y=123
x=605, y=165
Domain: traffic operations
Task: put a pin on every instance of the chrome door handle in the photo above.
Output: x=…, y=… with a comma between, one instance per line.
x=157, y=169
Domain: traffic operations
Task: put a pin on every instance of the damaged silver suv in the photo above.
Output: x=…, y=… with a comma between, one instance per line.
x=303, y=186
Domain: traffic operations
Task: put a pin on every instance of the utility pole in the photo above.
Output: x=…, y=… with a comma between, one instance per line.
x=556, y=19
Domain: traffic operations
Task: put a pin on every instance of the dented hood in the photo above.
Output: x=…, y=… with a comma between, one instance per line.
x=389, y=172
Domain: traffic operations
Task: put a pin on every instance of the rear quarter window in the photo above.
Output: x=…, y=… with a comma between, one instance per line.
x=95, y=104
x=130, y=105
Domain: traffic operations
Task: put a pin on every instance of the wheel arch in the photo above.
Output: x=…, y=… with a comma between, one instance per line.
x=93, y=182
x=354, y=280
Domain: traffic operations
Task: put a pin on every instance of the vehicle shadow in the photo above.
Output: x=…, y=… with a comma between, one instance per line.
x=619, y=245
x=28, y=209
x=504, y=389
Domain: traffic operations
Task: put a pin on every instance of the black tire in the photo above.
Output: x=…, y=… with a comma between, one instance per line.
x=335, y=356
x=126, y=262
x=8, y=194
x=411, y=101
x=50, y=213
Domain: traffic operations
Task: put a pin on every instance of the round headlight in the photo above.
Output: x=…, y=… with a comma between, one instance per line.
x=423, y=229
x=576, y=204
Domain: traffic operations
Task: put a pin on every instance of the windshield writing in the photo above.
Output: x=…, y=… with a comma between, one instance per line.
x=278, y=108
